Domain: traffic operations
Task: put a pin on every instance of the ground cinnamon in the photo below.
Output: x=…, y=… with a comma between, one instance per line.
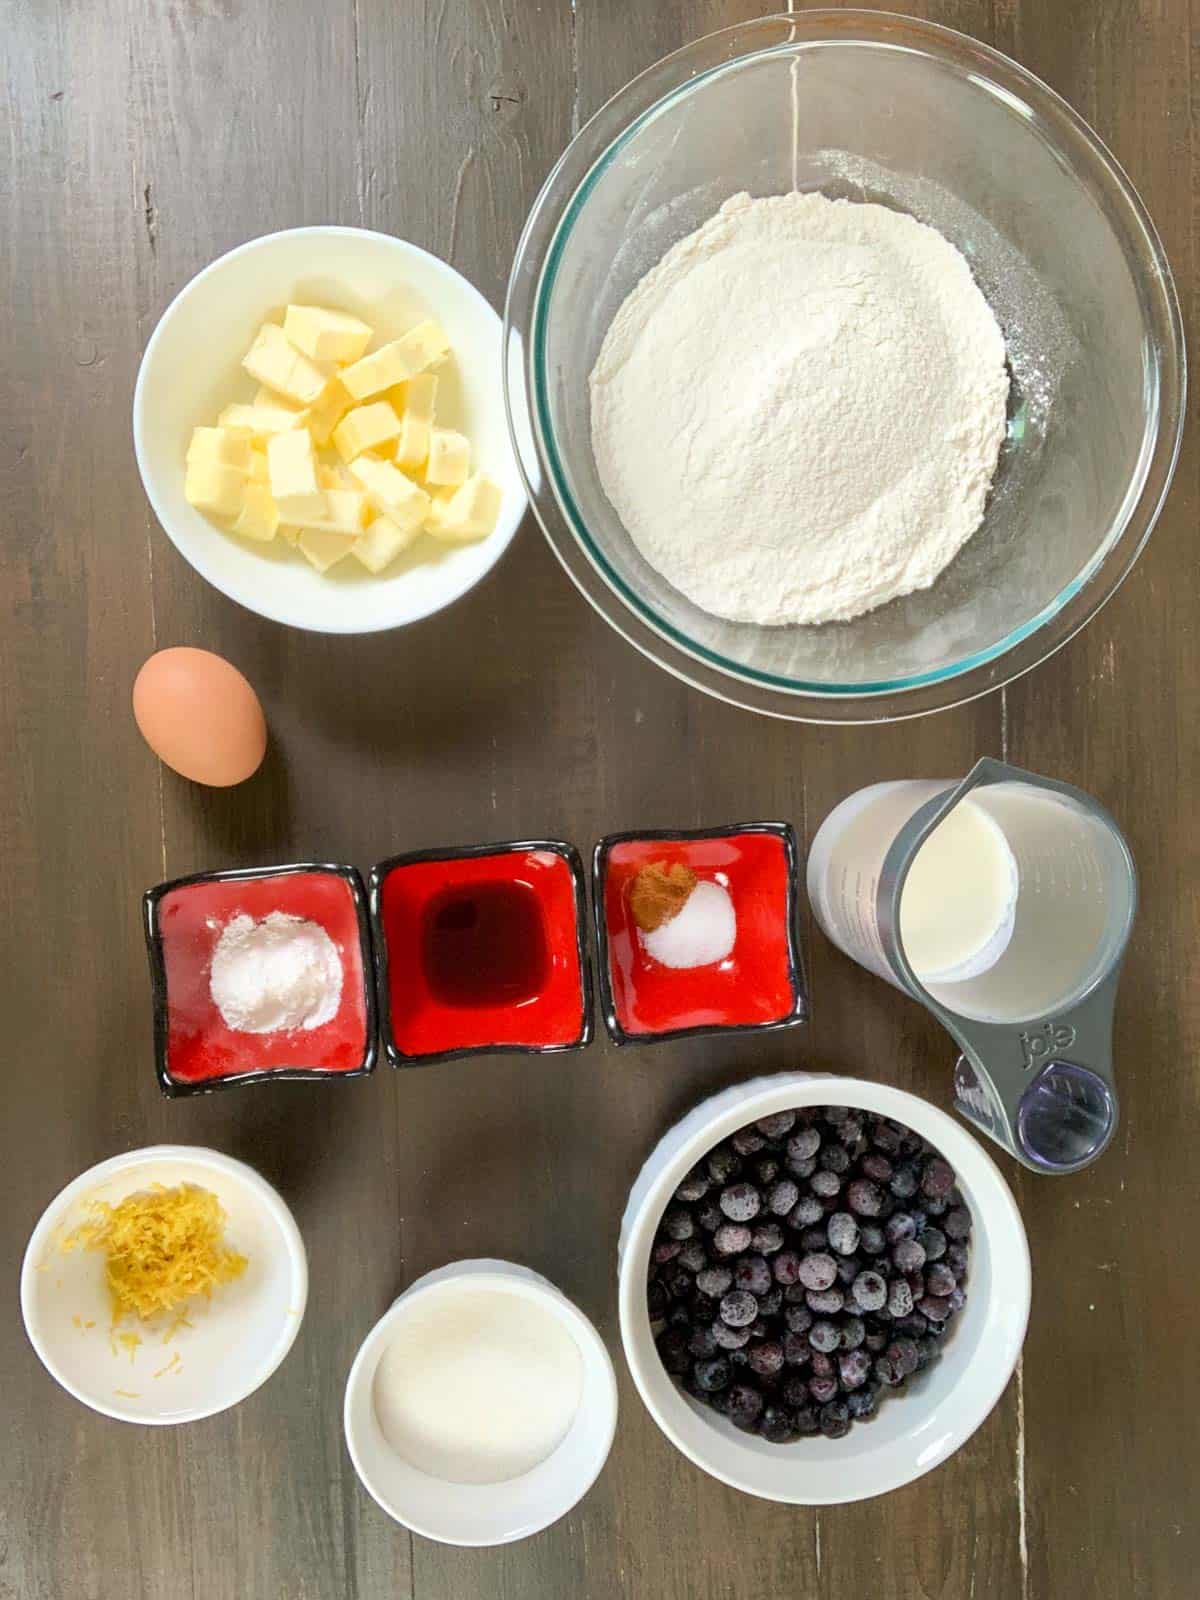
x=658, y=893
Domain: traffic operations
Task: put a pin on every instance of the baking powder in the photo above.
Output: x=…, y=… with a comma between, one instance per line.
x=282, y=972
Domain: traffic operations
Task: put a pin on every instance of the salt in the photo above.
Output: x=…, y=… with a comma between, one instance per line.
x=701, y=932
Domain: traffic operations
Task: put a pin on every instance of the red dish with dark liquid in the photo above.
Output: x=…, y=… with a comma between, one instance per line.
x=481, y=950
x=184, y=921
x=758, y=985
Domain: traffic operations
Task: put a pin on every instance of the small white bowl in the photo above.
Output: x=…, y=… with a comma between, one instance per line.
x=494, y=1513
x=192, y=369
x=237, y=1339
x=912, y=1432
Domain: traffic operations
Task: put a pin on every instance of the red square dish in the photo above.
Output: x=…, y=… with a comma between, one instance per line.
x=481, y=949
x=758, y=985
x=195, y=1050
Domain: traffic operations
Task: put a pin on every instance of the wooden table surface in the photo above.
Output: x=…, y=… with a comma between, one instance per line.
x=144, y=137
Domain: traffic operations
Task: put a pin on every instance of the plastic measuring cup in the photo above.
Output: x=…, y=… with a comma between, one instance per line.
x=1033, y=1016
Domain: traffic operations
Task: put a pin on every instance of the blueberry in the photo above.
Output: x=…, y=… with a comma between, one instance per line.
x=822, y=1389
x=938, y=1178
x=851, y=1131
x=927, y=1353
x=802, y=1169
x=957, y=1225
x=876, y=1166
x=935, y=1205
x=848, y=1268
x=794, y=1294
x=673, y=1351
x=900, y=1299
x=771, y=1303
x=935, y=1310
x=807, y=1211
x=656, y=1301
x=834, y=1158
x=817, y=1270
x=777, y=1126
x=826, y=1184
x=744, y=1406
x=694, y=1187
x=814, y=1239
x=740, y=1202
x=738, y=1308
x=835, y=1419
x=853, y=1332
x=730, y=1338
x=767, y=1238
x=939, y=1280
x=766, y=1358
x=902, y=1353
x=680, y=1317
x=905, y=1181
x=747, y=1142
x=843, y=1233
x=796, y=1349
x=835, y=1115
x=899, y=1226
x=875, y=1339
x=709, y=1216
x=934, y=1241
x=805, y=1418
x=863, y=1197
x=752, y=1273
x=693, y=1256
x=712, y=1374
x=869, y=1291
x=956, y=1299
x=782, y=1196
x=824, y=1336
x=854, y=1368
x=913, y=1326
x=703, y=1342
x=703, y=1308
x=786, y=1268
x=885, y=1138
x=665, y=1250
x=822, y=1365
x=776, y=1424
x=826, y=1302
x=957, y=1259
x=766, y=1170
x=731, y=1238
x=862, y=1403
x=679, y=1283
x=793, y=1391
x=909, y=1255
x=714, y=1280
x=722, y=1164
x=804, y=1144
x=798, y=1318
x=871, y=1239
x=887, y=1372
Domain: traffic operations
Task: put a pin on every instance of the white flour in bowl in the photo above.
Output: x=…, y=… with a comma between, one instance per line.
x=797, y=412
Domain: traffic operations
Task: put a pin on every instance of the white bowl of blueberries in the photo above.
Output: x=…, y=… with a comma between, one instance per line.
x=824, y=1287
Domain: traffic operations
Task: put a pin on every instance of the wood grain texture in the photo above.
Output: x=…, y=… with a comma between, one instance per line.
x=147, y=136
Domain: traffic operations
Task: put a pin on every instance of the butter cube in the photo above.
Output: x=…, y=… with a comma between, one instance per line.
x=396, y=362
x=419, y=394
x=449, y=458
x=259, y=516
x=412, y=443
x=469, y=513
x=267, y=397
x=327, y=410
x=259, y=471
x=260, y=421
x=293, y=470
x=395, y=495
x=331, y=477
x=326, y=335
x=383, y=541
x=344, y=511
x=220, y=447
x=365, y=428
x=214, y=487
x=322, y=548
x=275, y=361
x=289, y=533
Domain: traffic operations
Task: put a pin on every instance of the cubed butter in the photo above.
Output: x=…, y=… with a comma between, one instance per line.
x=322, y=548
x=289, y=533
x=412, y=442
x=276, y=362
x=292, y=464
x=419, y=396
x=331, y=477
x=223, y=447
x=395, y=495
x=396, y=362
x=344, y=511
x=259, y=471
x=449, y=458
x=365, y=428
x=262, y=421
x=469, y=513
x=211, y=486
x=326, y=335
x=259, y=516
x=326, y=411
x=267, y=397
x=382, y=542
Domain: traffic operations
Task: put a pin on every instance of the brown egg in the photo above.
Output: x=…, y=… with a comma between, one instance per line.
x=200, y=716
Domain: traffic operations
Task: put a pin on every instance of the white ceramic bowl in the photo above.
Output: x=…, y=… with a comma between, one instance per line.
x=191, y=370
x=911, y=1433
x=495, y=1513
x=237, y=1339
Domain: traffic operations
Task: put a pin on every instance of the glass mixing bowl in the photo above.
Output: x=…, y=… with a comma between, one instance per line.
x=867, y=106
